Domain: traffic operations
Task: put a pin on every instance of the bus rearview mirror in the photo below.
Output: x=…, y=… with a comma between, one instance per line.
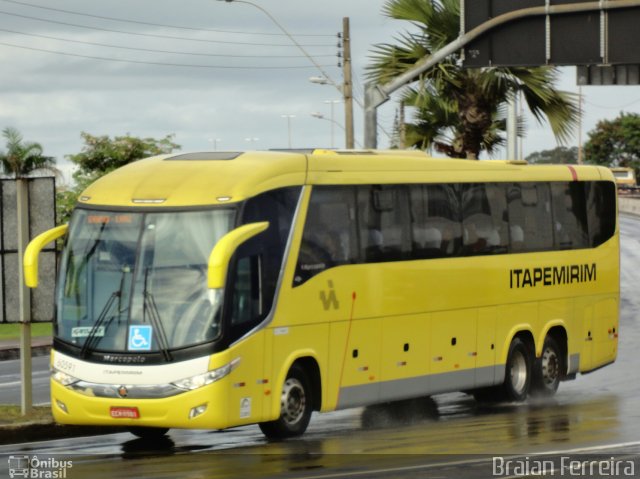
x=30, y=260
x=224, y=249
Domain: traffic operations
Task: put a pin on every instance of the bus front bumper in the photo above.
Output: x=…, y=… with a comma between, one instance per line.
x=194, y=409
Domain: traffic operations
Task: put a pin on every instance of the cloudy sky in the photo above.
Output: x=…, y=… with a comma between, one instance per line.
x=215, y=74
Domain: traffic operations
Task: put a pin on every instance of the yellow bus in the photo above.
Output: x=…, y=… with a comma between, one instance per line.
x=625, y=178
x=211, y=290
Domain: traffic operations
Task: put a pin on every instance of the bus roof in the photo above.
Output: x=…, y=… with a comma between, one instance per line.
x=189, y=179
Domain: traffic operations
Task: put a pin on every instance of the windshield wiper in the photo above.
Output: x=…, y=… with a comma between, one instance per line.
x=92, y=338
x=154, y=318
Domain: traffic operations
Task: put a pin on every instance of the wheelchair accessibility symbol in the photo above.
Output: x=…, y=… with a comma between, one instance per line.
x=140, y=338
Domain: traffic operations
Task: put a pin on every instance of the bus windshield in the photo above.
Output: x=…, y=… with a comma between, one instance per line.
x=137, y=282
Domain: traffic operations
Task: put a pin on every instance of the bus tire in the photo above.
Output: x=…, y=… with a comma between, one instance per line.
x=548, y=369
x=148, y=433
x=296, y=406
x=517, y=379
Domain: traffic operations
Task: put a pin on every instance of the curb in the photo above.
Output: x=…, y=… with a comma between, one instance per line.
x=14, y=353
x=46, y=431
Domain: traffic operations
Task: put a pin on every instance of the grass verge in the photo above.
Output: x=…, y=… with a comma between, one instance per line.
x=12, y=330
x=12, y=415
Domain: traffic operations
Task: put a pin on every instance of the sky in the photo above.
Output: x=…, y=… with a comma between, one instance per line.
x=215, y=74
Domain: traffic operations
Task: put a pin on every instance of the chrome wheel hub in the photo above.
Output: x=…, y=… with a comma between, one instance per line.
x=550, y=367
x=293, y=401
x=518, y=372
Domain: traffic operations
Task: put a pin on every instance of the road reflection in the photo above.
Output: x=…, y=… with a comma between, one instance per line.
x=407, y=434
x=402, y=435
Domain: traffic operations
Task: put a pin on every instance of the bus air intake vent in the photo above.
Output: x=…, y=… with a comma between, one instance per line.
x=206, y=156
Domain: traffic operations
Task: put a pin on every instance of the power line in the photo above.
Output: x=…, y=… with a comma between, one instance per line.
x=151, y=50
x=152, y=35
x=612, y=107
x=164, y=64
x=178, y=27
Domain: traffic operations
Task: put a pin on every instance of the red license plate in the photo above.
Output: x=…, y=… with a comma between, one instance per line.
x=124, y=412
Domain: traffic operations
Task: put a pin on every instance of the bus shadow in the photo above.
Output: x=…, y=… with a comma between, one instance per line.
x=162, y=446
x=399, y=413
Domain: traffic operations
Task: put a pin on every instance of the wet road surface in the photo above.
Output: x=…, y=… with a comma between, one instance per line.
x=595, y=418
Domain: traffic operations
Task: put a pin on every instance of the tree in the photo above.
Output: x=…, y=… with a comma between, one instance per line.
x=23, y=158
x=461, y=111
x=615, y=142
x=559, y=155
x=100, y=155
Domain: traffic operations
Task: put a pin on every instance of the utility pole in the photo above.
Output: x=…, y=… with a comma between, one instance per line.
x=22, y=199
x=347, y=86
x=512, y=127
x=580, y=113
x=403, y=128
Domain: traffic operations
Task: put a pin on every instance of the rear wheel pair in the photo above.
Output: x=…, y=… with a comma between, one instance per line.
x=525, y=375
x=549, y=369
x=517, y=381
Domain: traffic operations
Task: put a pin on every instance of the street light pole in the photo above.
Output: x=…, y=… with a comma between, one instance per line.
x=251, y=141
x=284, y=30
x=320, y=116
x=288, y=117
x=332, y=102
x=214, y=142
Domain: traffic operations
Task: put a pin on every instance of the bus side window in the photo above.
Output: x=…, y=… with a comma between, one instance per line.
x=256, y=266
x=435, y=220
x=601, y=211
x=569, y=215
x=484, y=213
x=516, y=219
x=246, y=304
x=329, y=238
x=530, y=225
x=384, y=223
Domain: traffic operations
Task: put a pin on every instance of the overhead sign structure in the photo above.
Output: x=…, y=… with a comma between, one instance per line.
x=522, y=46
x=608, y=75
x=557, y=32
x=41, y=217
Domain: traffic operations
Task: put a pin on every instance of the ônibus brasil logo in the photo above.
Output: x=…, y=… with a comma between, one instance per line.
x=38, y=468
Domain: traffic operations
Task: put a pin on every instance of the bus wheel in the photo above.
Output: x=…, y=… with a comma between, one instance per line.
x=548, y=369
x=148, y=432
x=296, y=405
x=517, y=379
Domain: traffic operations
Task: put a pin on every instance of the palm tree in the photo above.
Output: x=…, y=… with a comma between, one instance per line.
x=23, y=158
x=460, y=111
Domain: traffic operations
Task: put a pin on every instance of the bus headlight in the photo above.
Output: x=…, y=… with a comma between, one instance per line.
x=63, y=378
x=195, y=382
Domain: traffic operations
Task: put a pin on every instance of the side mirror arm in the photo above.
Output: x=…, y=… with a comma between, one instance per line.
x=225, y=248
x=30, y=260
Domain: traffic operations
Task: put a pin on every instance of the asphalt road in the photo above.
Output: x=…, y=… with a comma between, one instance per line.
x=11, y=383
x=593, y=422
